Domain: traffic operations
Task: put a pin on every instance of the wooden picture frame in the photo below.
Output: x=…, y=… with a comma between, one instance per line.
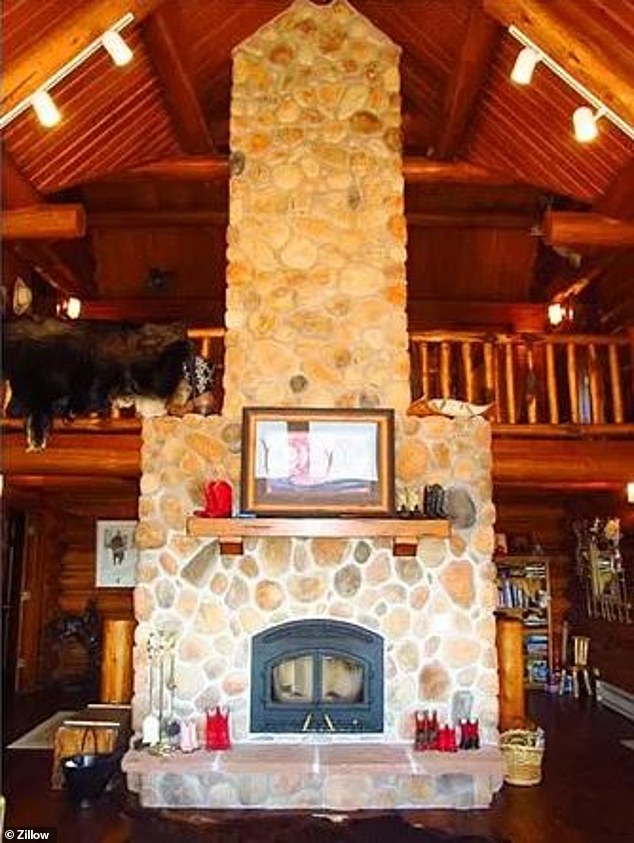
x=303, y=462
x=116, y=555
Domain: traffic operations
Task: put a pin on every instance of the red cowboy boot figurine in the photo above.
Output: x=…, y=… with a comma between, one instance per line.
x=217, y=731
x=217, y=500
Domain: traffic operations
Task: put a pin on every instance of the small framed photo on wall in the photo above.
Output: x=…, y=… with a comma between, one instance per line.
x=117, y=554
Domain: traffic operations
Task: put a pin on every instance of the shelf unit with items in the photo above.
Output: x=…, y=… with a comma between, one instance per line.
x=523, y=584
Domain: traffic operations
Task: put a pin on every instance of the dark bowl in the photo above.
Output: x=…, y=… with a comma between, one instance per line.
x=86, y=776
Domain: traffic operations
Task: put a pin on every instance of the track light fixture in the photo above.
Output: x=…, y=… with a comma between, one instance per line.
x=584, y=119
x=42, y=102
x=525, y=64
x=46, y=110
x=584, y=122
x=116, y=48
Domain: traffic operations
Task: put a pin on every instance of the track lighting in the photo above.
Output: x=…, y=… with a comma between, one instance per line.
x=584, y=123
x=116, y=48
x=522, y=74
x=46, y=110
x=525, y=64
x=41, y=100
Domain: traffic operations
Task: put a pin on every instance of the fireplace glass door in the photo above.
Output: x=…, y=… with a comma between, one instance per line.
x=319, y=676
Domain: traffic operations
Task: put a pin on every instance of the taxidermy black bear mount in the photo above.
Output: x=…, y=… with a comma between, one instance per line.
x=61, y=369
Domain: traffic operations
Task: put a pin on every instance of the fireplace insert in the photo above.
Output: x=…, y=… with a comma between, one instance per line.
x=317, y=676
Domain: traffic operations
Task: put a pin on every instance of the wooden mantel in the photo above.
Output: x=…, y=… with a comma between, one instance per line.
x=405, y=532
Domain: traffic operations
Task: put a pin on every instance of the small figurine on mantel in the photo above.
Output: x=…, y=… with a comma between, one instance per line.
x=409, y=503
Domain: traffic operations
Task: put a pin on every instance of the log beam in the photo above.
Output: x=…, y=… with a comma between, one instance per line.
x=572, y=228
x=474, y=60
x=194, y=168
x=541, y=464
x=465, y=219
x=216, y=168
x=202, y=312
x=556, y=28
x=72, y=274
x=61, y=43
x=201, y=217
x=545, y=464
x=102, y=455
x=158, y=218
x=44, y=222
x=176, y=85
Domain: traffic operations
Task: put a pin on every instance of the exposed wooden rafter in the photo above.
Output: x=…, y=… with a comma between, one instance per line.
x=160, y=218
x=617, y=202
x=61, y=43
x=479, y=43
x=44, y=222
x=419, y=169
x=216, y=167
x=554, y=27
x=572, y=228
x=195, y=311
x=70, y=273
x=176, y=84
x=157, y=218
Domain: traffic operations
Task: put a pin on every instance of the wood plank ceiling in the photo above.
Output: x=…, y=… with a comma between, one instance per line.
x=483, y=157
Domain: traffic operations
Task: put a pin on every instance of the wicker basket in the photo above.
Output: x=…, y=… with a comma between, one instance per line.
x=522, y=751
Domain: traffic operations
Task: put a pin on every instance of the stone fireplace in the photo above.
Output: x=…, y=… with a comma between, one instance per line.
x=322, y=648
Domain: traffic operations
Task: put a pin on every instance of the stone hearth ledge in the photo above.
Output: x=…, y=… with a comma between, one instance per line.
x=325, y=776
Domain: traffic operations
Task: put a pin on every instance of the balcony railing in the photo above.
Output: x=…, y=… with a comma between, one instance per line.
x=534, y=380
x=539, y=383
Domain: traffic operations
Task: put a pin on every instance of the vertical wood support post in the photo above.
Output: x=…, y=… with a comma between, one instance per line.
x=509, y=640
x=116, y=660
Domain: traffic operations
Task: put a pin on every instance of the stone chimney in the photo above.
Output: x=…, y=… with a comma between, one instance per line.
x=316, y=252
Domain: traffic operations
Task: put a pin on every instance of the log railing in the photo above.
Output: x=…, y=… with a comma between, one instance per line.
x=541, y=383
x=532, y=379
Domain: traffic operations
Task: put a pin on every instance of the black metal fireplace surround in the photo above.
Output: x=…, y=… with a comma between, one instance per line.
x=317, y=676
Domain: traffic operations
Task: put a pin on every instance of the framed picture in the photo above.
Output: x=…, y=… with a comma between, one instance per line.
x=117, y=555
x=306, y=462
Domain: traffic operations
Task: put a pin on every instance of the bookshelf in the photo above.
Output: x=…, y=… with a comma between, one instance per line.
x=524, y=592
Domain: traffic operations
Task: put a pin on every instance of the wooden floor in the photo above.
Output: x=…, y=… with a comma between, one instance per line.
x=587, y=795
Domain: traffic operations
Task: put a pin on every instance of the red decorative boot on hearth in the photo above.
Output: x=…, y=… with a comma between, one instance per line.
x=217, y=730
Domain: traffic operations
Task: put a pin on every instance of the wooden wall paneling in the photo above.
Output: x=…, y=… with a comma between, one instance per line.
x=496, y=263
x=194, y=259
x=77, y=574
x=41, y=556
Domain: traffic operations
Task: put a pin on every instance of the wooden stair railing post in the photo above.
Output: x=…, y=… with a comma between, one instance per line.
x=551, y=377
x=445, y=369
x=424, y=368
x=615, y=384
x=509, y=374
x=531, y=386
x=573, y=392
x=467, y=367
x=598, y=416
x=116, y=660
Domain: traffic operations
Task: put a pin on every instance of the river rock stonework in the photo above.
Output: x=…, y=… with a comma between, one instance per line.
x=316, y=317
x=434, y=609
x=316, y=239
